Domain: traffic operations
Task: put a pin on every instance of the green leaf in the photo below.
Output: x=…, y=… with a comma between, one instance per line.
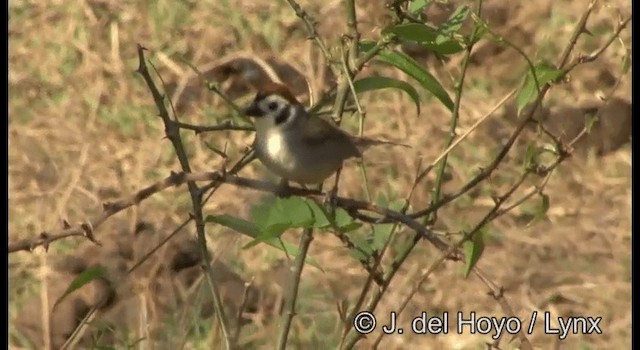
x=590, y=120
x=319, y=214
x=409, y=66
x=430, y=38
x=342, y=222
x=455, y=21
x=477, y=34
x=626, y=62
x=544, y=73
x=252, y=230
x=362, y=248
x=416, y=6
x=275, y=229
x=247, y=228
x=293, y=210
x=473, y=250
x=445, y=46
x=417, y=32
x=274, y=218
x=541, y=209
x=352, y=226
x=381, y=232
x=260, y=214
x=377, y=83
x=240, y=225
x=531, y=156
x=345, y=222
x=84, y=278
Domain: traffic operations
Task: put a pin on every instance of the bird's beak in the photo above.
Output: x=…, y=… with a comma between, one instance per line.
x=252, y=110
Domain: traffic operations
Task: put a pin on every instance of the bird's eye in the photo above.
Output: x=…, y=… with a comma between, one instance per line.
x=272, y=106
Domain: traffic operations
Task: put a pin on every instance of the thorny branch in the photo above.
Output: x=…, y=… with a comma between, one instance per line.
x=361, y=210
x=175, y=179
x=311, y=28
x=172, y=131
x=486, y=172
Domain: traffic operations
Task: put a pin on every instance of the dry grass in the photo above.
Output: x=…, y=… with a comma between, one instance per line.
x=83, y=130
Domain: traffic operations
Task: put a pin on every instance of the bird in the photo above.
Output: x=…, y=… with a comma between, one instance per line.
x=296, y=145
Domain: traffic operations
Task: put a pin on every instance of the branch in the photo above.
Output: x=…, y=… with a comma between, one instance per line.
x=172, y=131
x=529, y=116
x=311, y=28
x=352, y=206
x=224, y=126
x=455, y=114
x=290, y=307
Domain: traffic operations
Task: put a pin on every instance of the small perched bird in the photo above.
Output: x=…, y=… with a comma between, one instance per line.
x=298, y=146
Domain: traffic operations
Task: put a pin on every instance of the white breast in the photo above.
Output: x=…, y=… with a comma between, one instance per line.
x=275, y=145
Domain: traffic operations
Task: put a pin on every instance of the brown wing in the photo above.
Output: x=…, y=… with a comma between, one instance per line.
x=318, y=131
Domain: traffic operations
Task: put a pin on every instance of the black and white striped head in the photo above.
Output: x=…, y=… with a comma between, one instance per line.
x=274, y=105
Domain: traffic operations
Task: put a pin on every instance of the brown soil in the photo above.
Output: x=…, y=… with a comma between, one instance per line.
x=83, y=130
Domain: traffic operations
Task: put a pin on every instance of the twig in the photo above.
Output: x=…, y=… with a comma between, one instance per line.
x=495, y=291
x=378, y=261
x=473, y=127
x=311, y=29
x=352, y=206
x=580, y=28
x=597, y=53
x=243, y=305
x=455, y=114
x=354, y=34
x=343, y=87
x=224, y=126
x=212, y=86
x=75, y=336
x=290, y=306
x=525, y=120
x=403, y=255
x=492, y=166
x=172, y=131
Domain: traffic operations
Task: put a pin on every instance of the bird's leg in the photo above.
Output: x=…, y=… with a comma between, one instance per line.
x=330, y=197
x=283, y=190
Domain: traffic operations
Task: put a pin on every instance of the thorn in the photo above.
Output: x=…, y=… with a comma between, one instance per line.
x=584, y=30
x=45, y=244
x=88, y=229
x=223, y=171
x=107, y=206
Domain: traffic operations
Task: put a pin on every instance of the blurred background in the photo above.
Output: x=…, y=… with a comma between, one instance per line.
x=83, y=129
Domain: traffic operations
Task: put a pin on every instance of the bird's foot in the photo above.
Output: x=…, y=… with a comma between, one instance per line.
x=330, y=198
x=283, y=190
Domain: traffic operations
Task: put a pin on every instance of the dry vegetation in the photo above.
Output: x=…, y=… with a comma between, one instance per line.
x=83, y=130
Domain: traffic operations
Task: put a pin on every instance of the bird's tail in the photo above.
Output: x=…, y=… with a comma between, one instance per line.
x=365, y=142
